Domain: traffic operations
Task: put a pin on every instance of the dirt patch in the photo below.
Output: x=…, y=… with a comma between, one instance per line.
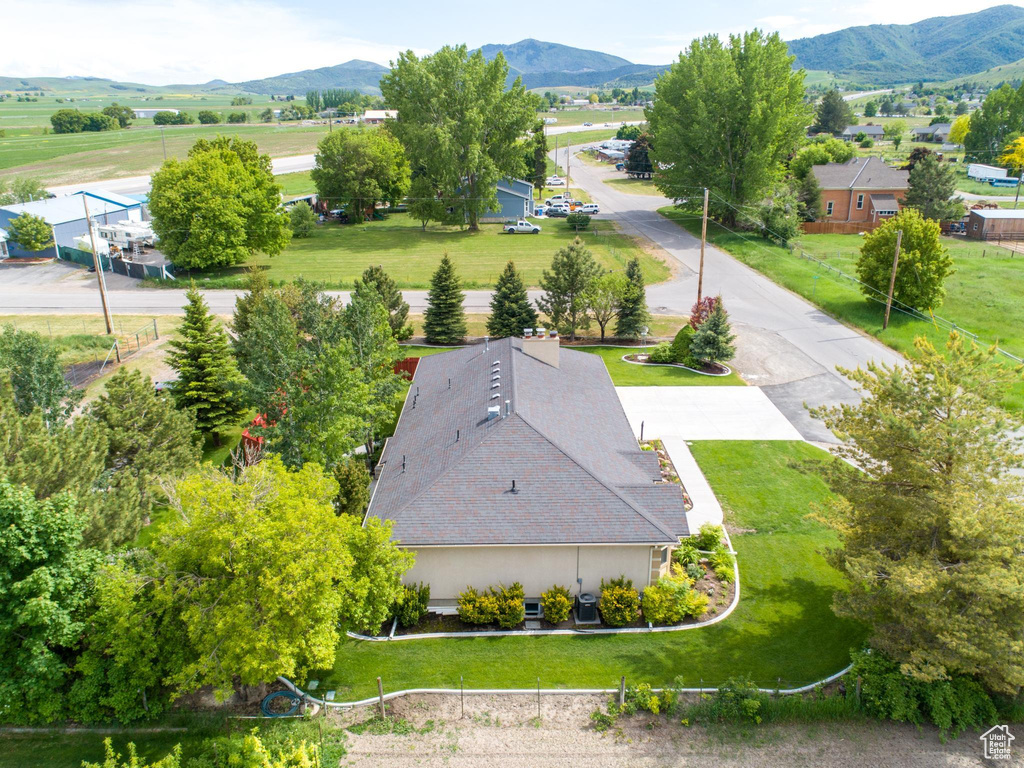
x=505, y=732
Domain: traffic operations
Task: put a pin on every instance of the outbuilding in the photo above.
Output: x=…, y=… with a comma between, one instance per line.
x=996, y=224
x=147, y=112
x=66, y=217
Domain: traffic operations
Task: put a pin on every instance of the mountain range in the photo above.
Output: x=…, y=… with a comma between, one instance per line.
x=936, y=49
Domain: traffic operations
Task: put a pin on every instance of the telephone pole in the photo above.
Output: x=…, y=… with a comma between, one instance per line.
x=1020, y=181
x=567, y=174
x=892, y=279
x=703, y=240
x=99, y=268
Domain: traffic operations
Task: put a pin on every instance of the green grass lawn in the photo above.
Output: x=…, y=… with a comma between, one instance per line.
x=337, y=254
x=631, y=375
x=635, y=186
x=296, y=184
x=982, y=296
x=783, y=627
x=964, y=184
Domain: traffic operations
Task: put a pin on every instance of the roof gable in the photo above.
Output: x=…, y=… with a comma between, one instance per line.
x=860, y=173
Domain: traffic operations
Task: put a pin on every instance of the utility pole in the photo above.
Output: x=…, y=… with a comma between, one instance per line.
x=98, y=267
x=1020, y=181
x=567, y=174
x=892, y=279
x=163, y=142
x=703, y=240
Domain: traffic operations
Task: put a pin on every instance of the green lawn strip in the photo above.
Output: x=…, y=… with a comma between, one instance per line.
x=783, y=627
x=337, y=254
x=982, y=295
x=296, y=184
x=635, y=186
x=632, y=375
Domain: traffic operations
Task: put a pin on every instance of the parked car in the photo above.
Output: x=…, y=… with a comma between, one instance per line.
x=591, y=208
x=557, y=211
x=561, y=197
x=620, y=166
x=587, y=125
x=555, y=181
x=512, y=227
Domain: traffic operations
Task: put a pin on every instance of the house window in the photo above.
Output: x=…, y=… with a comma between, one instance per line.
x=860, y=202
x=828, y=208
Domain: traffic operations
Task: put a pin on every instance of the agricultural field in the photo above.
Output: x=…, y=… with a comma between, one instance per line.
x=337, y=254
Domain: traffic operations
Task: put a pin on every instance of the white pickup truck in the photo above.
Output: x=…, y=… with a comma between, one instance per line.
x=512, y=227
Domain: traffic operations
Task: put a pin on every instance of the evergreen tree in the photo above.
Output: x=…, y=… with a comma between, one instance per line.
x=638, y=162
x=511, y=310
x=353, y=487
x=713, y=339
x=445, y=321
x=932, y=190
x=208, y=382
x=398, y=309
x=833, y=113
x=808, y=194
x=302, y=220
x=573, y=270
x=633, y=314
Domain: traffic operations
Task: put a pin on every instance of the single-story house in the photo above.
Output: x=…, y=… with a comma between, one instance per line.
x=863, y=189
x=610, y=155
x=66, y=216
x=151, y=112
x=513, y=461
x=938, y=132
x=515, y=200
x=993, y=224
x=378, y=116
x=871, y=131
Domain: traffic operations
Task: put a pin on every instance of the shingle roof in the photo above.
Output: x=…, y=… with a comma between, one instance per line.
x=884, y=202
x=580, y=475
x=867, y=130
x=860, y=173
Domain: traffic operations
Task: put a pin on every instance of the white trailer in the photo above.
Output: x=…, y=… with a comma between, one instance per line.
x=981, y=172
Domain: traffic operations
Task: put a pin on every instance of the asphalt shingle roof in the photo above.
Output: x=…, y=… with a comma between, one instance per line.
x=860, y=173
x=446, y=475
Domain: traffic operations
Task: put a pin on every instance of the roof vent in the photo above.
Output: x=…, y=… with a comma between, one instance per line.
x=527, y=333
x=495, y=396
x=495, y=385
x=552, y=334
x=496, y=377
x=540, y=333
x=493, y=412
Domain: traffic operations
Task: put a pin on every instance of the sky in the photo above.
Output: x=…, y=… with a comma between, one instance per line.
x=159, y=42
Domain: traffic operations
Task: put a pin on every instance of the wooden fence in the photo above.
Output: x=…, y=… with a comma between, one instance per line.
x=838, y=227
x=407, y=366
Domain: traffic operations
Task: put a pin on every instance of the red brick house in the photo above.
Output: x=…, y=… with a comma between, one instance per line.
x=863, y=189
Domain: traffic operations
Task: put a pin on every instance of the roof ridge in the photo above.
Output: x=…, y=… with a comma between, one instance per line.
x=631, y=504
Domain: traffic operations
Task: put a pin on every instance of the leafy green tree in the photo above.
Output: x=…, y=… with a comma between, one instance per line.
x=638, y=161
x=633, y=314
x=961, y=108
x=871, y=108
x=713, y=340
x=302, y=220
x=31, y=232
x=398, y=309
x=820, y=152
x=45, y=578
x=604, y=298
x=238, y=117
x=887, y=107
x=112, y=759
x=930, y=524
x=743, y=99
x=833, y=114
x=21, y=189
x=278, y=568
x=959, y=129
x=166, y=117
x=628, y=132
x=894, y=132
x=266, y=343
x=461, y=125
x=566, y=286
x=444, y=322
x=148, y=439
x=36, y=376
x=219, y=206
x=97, y=121
x=209, y=117
x=808, y=195
x=358, y=169
x=374, y=353
x=67, y=121
x=122, y=113
x=779, y=215
x=1000, y=117
x=511, y=311
x=932, y=190
x=923, y=267
x=578, y=220
x=353, y=487
x=537, y=156
x=208, y=381
x=375, y=581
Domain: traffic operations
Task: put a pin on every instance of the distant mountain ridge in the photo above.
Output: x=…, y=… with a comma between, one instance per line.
x=939, y=48
x=361, y=75
x=534, y=56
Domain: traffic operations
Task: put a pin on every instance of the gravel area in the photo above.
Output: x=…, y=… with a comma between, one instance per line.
x=504, y=732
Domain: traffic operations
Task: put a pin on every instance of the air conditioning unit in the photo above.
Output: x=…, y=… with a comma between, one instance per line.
x=586, y=608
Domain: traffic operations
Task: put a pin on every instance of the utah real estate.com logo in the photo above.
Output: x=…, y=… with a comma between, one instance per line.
x=997, y=742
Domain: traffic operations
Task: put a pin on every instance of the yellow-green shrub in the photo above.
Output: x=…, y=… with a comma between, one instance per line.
x=556, y=603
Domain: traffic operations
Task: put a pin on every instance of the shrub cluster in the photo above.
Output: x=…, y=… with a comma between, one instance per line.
x=501, y=605
x=722, y=561
x=412, y=606
x=676, y=352
x=619, y=603
x=673, y=599
x=709, y=537
x=556, y=603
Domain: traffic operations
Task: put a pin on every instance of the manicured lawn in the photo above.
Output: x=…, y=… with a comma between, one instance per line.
x=337, y=254
x=782, y=629
x=295, y=184
x=635, y=186
x=632, y=375
x=982, y=296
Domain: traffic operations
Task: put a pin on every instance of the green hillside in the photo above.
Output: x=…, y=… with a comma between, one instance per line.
x=538, y=56
x=1005, y=73
x=361, y=75
x=934, y=49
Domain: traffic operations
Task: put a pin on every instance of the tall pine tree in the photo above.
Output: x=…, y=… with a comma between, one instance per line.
x=713, y=339
x=398, y=309
x=445, y=321
x=633, y=314
x=573, y=271
x=511, y=310
x=208, y=382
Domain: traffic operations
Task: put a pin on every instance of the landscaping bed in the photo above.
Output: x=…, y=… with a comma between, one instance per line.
x=668, y=469
x=707, y=369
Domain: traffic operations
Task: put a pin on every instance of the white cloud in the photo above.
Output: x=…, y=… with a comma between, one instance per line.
x=183, y=41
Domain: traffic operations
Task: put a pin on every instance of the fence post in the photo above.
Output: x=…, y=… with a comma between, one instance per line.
x=538, y=698
x=462, y=696
x=622, y=691
x=380, y=696
x=156, y=334
x=857, y=689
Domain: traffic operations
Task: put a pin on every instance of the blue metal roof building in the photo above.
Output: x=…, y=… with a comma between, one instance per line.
x=66, y=216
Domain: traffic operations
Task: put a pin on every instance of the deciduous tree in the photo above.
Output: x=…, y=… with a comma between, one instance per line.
x=894, y=132
x=302, y=220
x=21, y=189
x=398, y=309
x=604, y=299
x=358, y=169
x=122, y=113
x=1000, y=117
x=511, y=311
x=33, y=367
x=445, y=320
x=573, y=271
x=31, y=232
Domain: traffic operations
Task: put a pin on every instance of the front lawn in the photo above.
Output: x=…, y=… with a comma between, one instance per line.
x=982, y=295
x=782, y=632
x=633, y=375
x=635, y=186
x=337, y=254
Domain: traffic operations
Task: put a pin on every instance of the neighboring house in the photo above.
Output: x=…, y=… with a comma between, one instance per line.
x=513, y=461
x=378, y=116
x=994, y=224
x=871, y=131
x=610, y=155
x=66, y=216
x=863, y=189
x=938, y=132
x=515, y=200
x=146, y=112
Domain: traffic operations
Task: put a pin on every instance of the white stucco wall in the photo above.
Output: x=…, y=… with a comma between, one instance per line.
x=449, y=570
